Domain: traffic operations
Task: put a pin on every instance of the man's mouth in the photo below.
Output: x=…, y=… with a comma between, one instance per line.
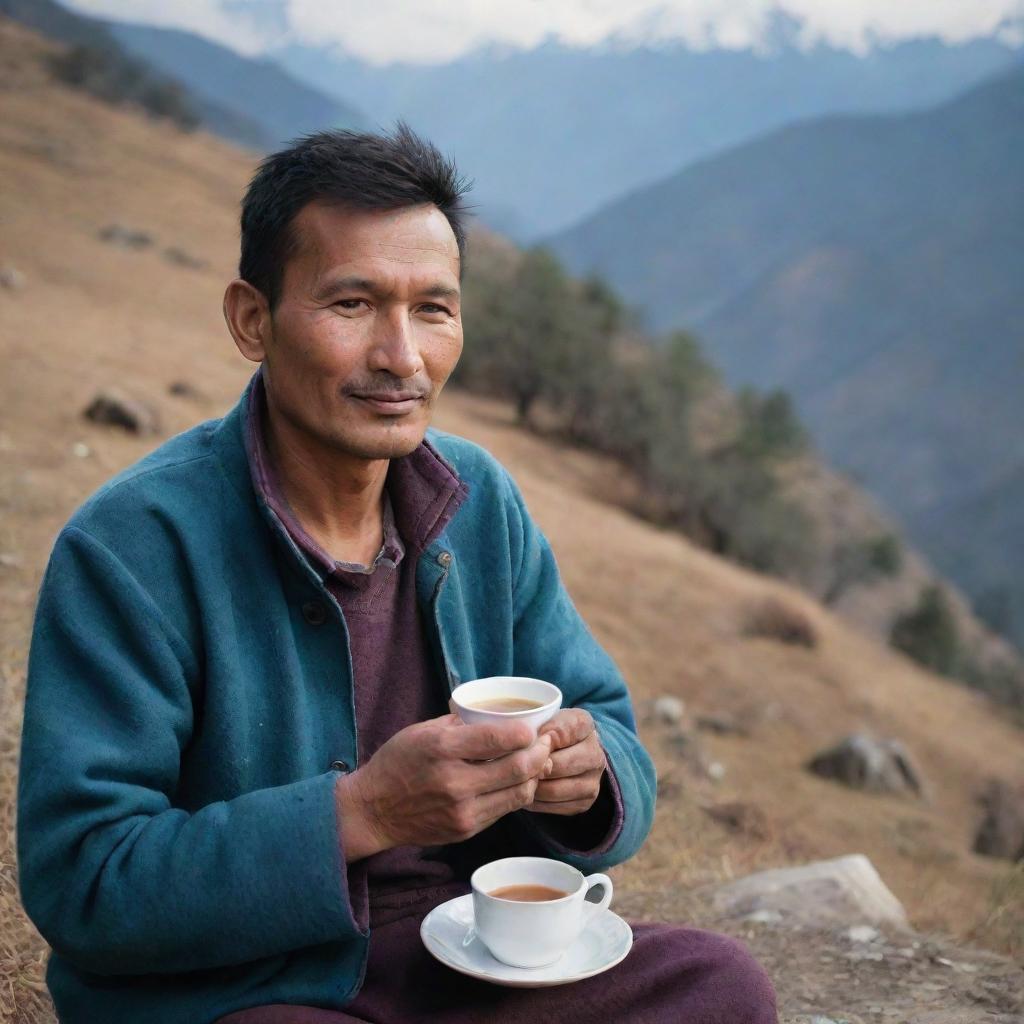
x=390, y=403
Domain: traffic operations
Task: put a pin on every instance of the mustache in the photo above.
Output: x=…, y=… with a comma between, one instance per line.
x=388, y=383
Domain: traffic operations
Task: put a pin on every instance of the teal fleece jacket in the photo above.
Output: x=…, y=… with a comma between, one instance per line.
x=178, y=838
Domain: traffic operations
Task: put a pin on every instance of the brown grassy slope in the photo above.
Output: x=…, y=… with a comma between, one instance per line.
x=92, y=314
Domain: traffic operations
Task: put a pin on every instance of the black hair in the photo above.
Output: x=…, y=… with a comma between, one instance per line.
x=358, y=169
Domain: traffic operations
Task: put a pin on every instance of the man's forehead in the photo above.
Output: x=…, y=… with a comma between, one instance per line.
x=330, y=235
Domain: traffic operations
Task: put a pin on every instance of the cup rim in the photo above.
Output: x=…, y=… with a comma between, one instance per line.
x=523, y=903
x=555, y=699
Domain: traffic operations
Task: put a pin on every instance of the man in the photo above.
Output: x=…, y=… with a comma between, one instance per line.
x=241, y=789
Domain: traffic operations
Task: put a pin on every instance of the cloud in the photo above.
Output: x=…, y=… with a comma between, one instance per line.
x=435, y=31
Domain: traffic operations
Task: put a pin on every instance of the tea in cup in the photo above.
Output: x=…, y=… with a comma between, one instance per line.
x=507, y=698
x=529, y=910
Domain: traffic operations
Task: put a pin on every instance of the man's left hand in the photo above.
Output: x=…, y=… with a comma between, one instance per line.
x=577, y=764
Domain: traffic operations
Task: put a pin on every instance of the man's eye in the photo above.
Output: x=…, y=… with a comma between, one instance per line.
x=349, y=303
x=433, y=307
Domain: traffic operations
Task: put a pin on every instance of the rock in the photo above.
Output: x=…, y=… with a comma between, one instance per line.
x=862, y=933
x=9, y=560
x=1001, y=832
x=81, y=450
x=741, y=818
x=668, y=710
x=183, y=389
x=125, y=237
x=863, y=762
x=12, y=279
x=819, y=895
x=716, y=771
x=116, y=409
x=184, y=259
x=721, y=726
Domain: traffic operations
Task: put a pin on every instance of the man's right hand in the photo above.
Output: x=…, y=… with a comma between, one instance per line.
x=439, y=782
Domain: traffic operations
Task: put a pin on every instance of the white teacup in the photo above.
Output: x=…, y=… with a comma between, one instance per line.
x=475, y=691
x=533, y=934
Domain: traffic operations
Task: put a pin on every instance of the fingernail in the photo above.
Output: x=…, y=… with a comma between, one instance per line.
x=548, y=766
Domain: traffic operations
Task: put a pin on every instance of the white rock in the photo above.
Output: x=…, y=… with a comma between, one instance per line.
x=862, y=933
x=821, y=895
x=669, y=710
x=81, y=450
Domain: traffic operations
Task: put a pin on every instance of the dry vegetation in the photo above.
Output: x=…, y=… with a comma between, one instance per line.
x=91, y=313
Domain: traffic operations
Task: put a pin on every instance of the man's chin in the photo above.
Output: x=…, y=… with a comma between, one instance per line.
x=392, y=444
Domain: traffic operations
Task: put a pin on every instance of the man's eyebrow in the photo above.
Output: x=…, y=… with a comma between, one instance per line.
x=437, y=290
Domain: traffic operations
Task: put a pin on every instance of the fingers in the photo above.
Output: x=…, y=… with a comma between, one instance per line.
x=569, y=726
x=579, y=787
x=485, y=741
x=582, y=757
x=513, y=769
x=492, y=806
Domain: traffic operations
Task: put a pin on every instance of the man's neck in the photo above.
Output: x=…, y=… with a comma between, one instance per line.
x=337, y=498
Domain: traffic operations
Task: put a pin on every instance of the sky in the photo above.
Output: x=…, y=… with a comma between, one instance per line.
x=437, y=31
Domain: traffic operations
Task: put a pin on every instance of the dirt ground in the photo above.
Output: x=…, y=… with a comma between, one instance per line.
x=89, y=313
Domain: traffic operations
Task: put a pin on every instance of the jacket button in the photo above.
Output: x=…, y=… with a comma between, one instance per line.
x=339, y=766
x=444, y=559
x=314, y=613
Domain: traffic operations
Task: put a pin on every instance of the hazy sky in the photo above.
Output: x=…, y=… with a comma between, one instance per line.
x=434, y=31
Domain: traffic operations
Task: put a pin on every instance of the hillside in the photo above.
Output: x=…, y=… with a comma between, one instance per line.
x=90, y=312
x=283, y=106
x=872, y=267
x=554, y=133
x=254, y=103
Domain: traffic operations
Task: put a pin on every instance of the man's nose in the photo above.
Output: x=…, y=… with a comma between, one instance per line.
x=394, y=345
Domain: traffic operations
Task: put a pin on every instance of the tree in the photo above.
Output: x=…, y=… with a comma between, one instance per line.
x=928, y=633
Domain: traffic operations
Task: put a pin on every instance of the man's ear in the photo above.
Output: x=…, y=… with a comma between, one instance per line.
x=247, y=314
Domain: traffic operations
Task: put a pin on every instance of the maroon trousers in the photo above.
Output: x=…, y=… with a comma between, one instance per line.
x=671, y=975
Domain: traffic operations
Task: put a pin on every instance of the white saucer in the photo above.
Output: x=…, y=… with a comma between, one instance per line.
x=447, y=932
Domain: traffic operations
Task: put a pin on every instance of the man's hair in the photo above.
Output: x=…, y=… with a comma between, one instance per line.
x=357, y=169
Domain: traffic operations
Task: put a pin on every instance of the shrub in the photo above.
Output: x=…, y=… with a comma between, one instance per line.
x=112, y=76
x=779, y=620
x=928, y=634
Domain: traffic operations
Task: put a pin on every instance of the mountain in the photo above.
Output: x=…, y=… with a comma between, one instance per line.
x=554, y=133
x=259, y=90
x=146, y=84
x=872, y=266
x=252, y=102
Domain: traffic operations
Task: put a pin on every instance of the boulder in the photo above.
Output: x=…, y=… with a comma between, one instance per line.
x=12, y=279
x=864, y=762
x=1001, y=832
x=125, y=237
x=843, y=892
x=668, y=710
x=116, y=409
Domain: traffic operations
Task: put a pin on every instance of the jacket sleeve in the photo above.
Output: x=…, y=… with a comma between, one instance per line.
x=552, y=642
x=117, y=879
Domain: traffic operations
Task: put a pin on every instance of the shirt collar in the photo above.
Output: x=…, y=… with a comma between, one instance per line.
x=421, y=494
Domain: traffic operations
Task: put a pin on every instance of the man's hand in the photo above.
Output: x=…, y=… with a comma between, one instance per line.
x=577, y=764
x=439, y=782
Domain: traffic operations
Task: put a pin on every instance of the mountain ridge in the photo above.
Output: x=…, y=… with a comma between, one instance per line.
x=869, y=265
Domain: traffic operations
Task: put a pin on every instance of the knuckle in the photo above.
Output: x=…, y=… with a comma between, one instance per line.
x=525, y=792
x=463, y=821
x=521, y=768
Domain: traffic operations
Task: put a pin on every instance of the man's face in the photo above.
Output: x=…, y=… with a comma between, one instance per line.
x=367, y=329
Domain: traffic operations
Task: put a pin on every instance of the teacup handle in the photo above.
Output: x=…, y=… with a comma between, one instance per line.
x=591, y=882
